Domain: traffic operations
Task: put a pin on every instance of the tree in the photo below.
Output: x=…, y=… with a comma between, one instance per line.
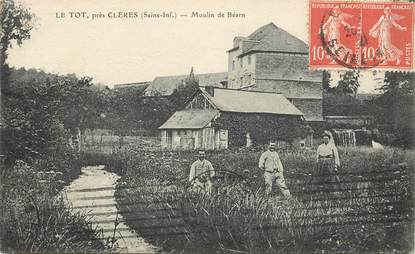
x=349, y=83
x=402, y=83
x=16, y=25
x=394, y=109
x=131, y=111
x=326, y=82
x=185, y=91
x=39, y=108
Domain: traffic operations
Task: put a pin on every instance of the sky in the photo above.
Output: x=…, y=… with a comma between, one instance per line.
x=126, y=50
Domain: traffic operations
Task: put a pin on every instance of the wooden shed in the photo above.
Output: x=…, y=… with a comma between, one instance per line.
x=192, y=127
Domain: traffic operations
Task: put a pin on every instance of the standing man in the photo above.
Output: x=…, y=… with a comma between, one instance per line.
x=273, y=171
x=328, y=161
x=201, y=173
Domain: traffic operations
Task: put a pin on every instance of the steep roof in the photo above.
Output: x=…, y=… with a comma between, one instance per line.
x=230, y=100
x=166, y=85
x=271, y=38
x=190, y=119
x=261, y=32
x=276, y=39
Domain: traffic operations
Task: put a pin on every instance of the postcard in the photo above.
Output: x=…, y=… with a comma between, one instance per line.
x=232, y=126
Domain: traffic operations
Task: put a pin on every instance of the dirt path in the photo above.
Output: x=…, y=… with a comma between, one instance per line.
x=93, y=193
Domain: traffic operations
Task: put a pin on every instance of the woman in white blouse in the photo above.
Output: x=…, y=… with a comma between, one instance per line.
x=328, y=162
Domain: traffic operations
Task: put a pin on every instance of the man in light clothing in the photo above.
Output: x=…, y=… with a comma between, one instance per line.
x=273, y=171
x=328, y=161
x=201, y=173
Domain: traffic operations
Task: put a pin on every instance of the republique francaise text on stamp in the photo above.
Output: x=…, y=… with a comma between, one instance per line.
x=361, y=35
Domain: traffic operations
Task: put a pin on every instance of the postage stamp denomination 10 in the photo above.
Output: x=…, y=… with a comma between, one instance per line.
x=361, y=35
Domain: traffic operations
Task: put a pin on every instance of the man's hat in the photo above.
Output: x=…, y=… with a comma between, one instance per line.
x=201, y=152
x=272, y=144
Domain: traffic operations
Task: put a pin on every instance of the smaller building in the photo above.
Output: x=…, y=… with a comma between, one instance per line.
x=132, y=87
x=165, y=85
x=193, y=128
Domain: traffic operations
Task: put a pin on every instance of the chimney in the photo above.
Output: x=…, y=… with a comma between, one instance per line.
x=237, y=40
x=210, y=90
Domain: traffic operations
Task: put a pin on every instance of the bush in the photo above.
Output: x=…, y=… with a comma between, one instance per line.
x=111, y=163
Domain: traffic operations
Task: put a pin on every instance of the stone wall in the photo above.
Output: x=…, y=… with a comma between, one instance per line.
x=312, y=108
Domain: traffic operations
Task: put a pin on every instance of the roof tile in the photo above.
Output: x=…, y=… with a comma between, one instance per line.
x=230, y=100
x=189, y=119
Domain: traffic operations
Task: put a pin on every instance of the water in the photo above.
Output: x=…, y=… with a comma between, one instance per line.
x=93, y=193
x=344, y=137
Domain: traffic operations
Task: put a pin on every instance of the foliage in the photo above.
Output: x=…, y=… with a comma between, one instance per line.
x=130, y=111
x=238, y=218
x=394, y=108
x=326, y=81
x=262, y=128
x=338, y=104
x=184, y=91
x=349, y=82
x=83, y=106
x=111, y=163
x=39, y=110
x=16, y=24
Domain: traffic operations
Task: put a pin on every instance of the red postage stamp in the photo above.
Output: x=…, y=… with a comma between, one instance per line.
x=361, y=35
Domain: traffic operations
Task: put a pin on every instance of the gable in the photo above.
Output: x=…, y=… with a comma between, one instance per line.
x=274, y=39
x=281, y=41
x=200, y=101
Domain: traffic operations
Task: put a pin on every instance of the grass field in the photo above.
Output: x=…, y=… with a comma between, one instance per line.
x=372, y=214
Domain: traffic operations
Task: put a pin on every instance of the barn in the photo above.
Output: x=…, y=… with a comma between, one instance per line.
x=193, y=128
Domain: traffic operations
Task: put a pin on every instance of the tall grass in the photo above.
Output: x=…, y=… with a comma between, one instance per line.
x=54, y=229
x=35, y=219
x=373, y=213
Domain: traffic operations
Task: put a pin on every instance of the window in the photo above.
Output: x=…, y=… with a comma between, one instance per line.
x=233, y=65
x=242, y=81
x=241, y=62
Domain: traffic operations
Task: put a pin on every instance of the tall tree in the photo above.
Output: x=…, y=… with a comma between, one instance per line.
x=16, y=25
x=38, y=108
x=185, y=91
x=349, y=82
x=326, y=82
x=394, y=109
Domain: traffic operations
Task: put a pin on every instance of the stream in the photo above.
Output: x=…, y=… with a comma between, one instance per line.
x=93, y=194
